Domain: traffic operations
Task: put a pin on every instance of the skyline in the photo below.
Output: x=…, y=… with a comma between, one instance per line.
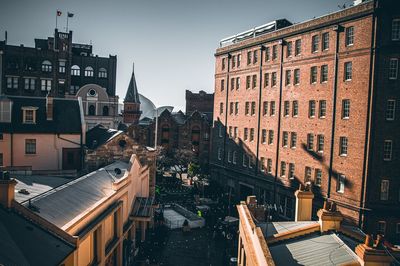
x=159, y=55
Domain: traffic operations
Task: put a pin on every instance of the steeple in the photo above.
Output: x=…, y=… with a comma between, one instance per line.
x=131, y=114
x=132, y=94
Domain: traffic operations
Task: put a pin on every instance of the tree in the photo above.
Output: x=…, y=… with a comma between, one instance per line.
x=176, y=160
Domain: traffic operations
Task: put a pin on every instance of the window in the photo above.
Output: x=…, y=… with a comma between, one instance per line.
x=390, y=109
x=270, y=137
x=12, y=83
x=254, y=81
x=384, y=195
x=343, y=146
x=324, y=73
x=395, y=29
x=46, y=66
x=29, y=116
x=325, y=41
x=249, y=57
x=233, y=61
x=235, y=133
x=293, y=140
x=349, y=36
x=73, y=89
x=220, y=131
x=387, y=150
x=289, y=49
x=46, y=84
x=318, y=177
x=234, y=157
x=320, y=143
x=311, y=109
x=273, y=81
x=307, y=174
x=297, y=47
x=262, y=164
x=248, y=81
x=61, y=66
x=236, y=108
x=247, y=108
x=231, y=108
x=313, y=75
x=269, y=166
x=283, y=169
x=348, y=72
x=253, y=108
x=310, y=141
x=219, y=154
x=239, y=59
x=255, y=57
x=237, y=83
x=340, y=185
x=5, y=111
x=244, y=160
x=267, y=53
x=286, y=108
x=264, y=136
x=285, y=139
x=272, y=108
x=221, y=108
x=296, y=77
x=251, y=134
x=223, y=64
x=230, y=131
x=232, y=84
x=265, y=108
x=30, y=146
x=381, y=228
x=322, y=109
x=274, y=52
x=229, y=156
x=102, y=73
x=251, y=161
x=393, y=68
x=246, y=134
x=266, y=79
x=222, y=84
x=291, y=171
x=30, y=84
x=92, y=109
x=315, y=43
x=75, y=70
x=288, y=77
x=295, y=108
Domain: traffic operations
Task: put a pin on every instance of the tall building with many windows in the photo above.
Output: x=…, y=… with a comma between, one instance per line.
x=314, y=102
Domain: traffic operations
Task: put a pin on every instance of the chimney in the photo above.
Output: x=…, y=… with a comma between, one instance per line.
x=49, y=108
x=373, y=254
x=329, y=217
x=304, y=199
x=7, y=189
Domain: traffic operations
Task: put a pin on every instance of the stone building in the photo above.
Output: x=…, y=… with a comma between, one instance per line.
x=314, y=102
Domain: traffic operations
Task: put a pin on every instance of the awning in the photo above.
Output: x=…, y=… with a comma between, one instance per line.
x=142, y=209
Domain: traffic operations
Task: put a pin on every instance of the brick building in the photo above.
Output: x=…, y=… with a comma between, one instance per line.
x=58, y=66
x=201, y=101
x=314, y=102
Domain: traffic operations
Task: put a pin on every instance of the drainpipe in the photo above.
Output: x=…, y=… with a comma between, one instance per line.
x=12, y=149
x=371, y=102
x=259, y=109
x=282, y=43
x=226, y=105
x=337, y=29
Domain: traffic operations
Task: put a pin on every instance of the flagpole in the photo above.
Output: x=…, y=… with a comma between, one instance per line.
x=56, y=18
x=67, y=21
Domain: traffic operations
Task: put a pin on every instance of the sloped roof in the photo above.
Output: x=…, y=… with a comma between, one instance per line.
x=22, y=242
x=66, y=116
x=132, y=94
x=100, y=135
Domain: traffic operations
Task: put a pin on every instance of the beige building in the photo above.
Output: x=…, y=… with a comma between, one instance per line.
x=327, y=241
x=98, y=213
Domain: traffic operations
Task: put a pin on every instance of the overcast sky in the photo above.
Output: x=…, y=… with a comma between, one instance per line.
x=171, y=42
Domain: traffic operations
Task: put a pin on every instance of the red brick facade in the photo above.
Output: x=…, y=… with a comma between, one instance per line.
x=338, y=149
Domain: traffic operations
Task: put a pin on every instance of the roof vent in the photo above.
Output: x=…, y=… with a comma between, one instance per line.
x=117, y=171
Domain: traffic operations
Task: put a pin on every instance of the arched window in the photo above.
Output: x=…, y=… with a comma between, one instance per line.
x=92, y=109
x=195, y=139
x=46, y=66
x=105, y=111
x=102, y=73
x=89, y=71
x=75, y=70
x=165, y=134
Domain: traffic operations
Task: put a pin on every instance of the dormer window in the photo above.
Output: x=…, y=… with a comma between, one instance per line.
x=29, y=115
x=46, y=66
x=75, y=70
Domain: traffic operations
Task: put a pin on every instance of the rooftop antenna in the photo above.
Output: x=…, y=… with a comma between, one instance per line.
x=5, y=36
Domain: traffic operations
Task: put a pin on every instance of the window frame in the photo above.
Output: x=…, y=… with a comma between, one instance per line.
x=30, y=147
x=349, y=36
x=393, y=70
x=390, y=114
x=343, y=146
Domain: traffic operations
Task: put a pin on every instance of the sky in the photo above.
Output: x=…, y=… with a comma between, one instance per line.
x=171, y=42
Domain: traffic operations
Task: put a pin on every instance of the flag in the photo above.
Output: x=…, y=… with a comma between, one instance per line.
x=70, y=15
x=59, y=13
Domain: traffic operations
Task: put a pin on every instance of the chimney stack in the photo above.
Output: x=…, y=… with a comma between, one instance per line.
x=329, y=217
x=49, y=108
x=304, y=199
x=7, y=189
x=373, y=254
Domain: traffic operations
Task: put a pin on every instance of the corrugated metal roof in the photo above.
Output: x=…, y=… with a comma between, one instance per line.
x=313, y=250
x=64, y=203
x=281, y=227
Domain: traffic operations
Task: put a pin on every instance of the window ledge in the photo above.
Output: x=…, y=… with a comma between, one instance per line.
x=343, y=155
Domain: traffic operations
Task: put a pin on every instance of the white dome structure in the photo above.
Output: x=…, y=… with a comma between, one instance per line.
x=148, y=108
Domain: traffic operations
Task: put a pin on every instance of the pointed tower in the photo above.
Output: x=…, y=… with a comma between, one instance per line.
x=132, y=111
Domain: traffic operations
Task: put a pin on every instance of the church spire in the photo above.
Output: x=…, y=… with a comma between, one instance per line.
x=132, y=94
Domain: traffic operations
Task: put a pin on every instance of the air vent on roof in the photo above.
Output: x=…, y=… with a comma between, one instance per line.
x=117, y=171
